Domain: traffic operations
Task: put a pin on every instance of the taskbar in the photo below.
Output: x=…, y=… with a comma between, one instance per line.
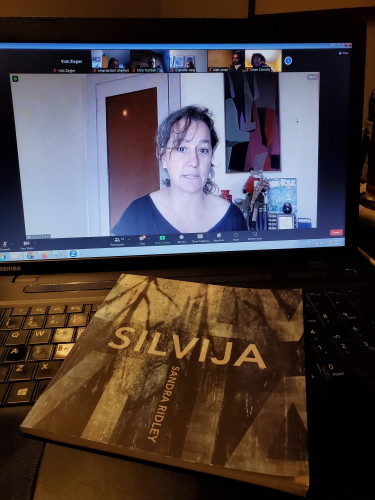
x=167, y=245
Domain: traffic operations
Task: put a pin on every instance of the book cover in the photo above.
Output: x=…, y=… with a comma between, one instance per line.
x=282, y=196
x=204, y=377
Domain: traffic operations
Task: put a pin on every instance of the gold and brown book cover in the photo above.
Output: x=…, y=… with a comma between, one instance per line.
x=205, y=377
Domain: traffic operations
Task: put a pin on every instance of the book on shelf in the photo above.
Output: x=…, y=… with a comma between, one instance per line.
x=203, y=377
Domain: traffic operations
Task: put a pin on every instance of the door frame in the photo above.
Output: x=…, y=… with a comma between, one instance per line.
x=168, y=99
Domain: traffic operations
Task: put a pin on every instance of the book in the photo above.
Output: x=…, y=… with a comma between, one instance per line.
x=203, y=377
x=282, y=196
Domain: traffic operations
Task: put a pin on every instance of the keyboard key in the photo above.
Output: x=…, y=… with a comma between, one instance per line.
x=47, y=369
x=20, y=311
x=76, y=308
x=12, y=323
x=325, y=351
x=78, y=319
x=315, y=373
x=22, y=371
x=79, y=332
x=310, y=316
x=40, y=336
x=323, y=307
x=16, y=354
x=56, y=310
x=21, y=393
x=41, y=352
x=42, y=386
x=17, y=338
x=343, y=306
x=34, y=322
x=56, y=321
x=348, y=349
x=63, y=335
x=336, y=371
x=340, y=333
x=369, y=347
x=38, y=310
x=62, y=350
x=360, y=332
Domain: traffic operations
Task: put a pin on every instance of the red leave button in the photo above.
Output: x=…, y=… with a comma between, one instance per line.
x=336, y=232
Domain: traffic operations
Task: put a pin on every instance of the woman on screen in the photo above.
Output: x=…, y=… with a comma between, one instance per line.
x=185, y=143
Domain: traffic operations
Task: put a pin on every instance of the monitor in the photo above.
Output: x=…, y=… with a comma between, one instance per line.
x=153, y=139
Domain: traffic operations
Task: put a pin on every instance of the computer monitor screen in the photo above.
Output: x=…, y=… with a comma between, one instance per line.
x=114, y=149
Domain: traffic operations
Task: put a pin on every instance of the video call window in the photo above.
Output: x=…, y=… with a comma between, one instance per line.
x=263, y=60
x=149, y=61
x=111, y=60
x=226, y=60
x=188, y=61
x=71, y=149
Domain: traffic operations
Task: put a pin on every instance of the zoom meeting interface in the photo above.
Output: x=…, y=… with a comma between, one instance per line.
x=80, y=157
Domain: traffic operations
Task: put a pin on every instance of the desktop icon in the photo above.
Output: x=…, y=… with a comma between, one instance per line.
x=181, y=237
x=200, y=236
x=162, y=238
x=15, y=255
x=57, y=254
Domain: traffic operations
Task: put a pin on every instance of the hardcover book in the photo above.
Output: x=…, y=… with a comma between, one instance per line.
x=198, y=376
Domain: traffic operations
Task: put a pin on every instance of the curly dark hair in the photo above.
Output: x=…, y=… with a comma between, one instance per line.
x=189, y=114
x=259, y=55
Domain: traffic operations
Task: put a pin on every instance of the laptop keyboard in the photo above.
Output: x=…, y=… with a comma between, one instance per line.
x=34, y=341
x=339, y=334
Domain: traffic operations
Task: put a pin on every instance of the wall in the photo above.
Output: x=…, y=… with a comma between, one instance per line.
x=299, y=133
x=52, y=143
x=275, y=6
x=121, y=8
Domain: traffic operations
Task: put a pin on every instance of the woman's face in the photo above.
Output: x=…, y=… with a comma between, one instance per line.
x=257, y=61
x=189, y=163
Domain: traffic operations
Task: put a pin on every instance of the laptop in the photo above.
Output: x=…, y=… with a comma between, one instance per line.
x=81, y=102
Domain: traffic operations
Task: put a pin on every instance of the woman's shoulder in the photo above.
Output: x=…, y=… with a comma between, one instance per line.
x=232, y=220
x=143, y=200
x=135, y=217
